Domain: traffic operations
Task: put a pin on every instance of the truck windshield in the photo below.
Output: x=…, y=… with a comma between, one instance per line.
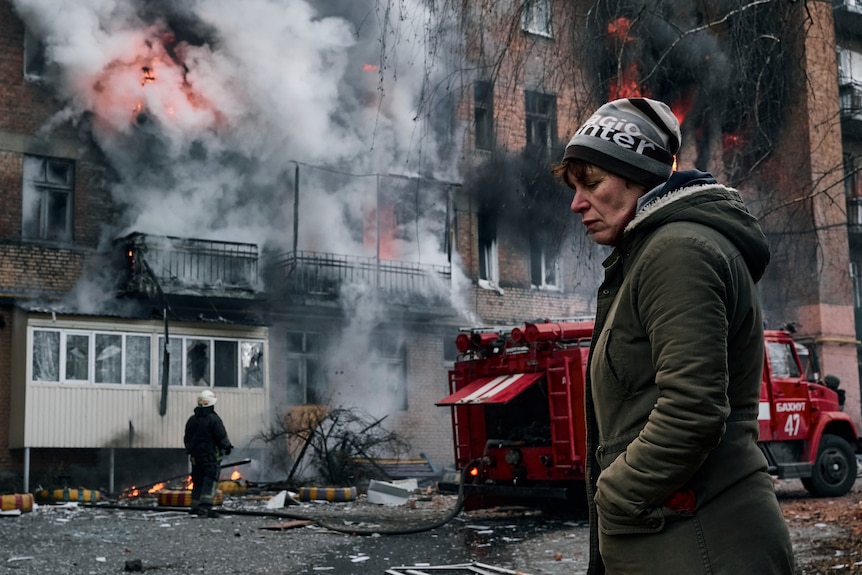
x=782, y=359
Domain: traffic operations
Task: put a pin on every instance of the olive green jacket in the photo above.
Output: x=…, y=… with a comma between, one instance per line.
x=675, y=365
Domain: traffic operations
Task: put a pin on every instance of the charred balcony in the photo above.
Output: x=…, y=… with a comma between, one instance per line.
x=324, y=275
x=188, y=266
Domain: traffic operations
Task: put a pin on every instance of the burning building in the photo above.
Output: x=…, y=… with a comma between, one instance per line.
x=296, y=207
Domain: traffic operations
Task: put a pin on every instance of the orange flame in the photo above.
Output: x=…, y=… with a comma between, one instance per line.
x=370, y=68
x=156, y=488
x=235, y=475
x=628, y=85
x=619, y=29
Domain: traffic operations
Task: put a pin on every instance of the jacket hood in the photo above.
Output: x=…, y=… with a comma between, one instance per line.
x=695, y=196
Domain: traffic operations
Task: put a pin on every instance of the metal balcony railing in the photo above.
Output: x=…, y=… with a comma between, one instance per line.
x=193, y=264
x=316, y=273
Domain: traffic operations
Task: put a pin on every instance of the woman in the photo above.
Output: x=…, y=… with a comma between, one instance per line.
x=676, y=481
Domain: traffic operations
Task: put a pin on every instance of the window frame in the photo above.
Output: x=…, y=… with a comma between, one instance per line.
x=153, y=358
x=539, y=250
x=535, y=117
x=483, y=115
x=39, y=190
x=536, y=18
x=303, y=358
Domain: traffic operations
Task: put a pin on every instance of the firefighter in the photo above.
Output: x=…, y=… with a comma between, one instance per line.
x=675, y=480
x=206, y=442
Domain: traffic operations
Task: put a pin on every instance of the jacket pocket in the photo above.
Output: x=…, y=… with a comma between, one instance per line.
x=623, y=368
x=614, y=522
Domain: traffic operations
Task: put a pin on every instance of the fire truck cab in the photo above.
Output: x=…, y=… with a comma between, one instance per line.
x=516, y=399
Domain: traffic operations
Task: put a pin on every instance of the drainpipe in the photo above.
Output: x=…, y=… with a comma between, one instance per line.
x=166, y=359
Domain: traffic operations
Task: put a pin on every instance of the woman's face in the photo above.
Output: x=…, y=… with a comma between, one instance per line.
x=605, y=201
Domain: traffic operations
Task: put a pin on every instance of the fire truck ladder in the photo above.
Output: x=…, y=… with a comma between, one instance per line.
x=562, y=418
x=460, y=423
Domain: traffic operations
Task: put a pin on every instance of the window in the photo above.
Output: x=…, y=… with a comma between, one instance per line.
x=124, y=358
x=34, y=56
x=304, y=384
x=483, y=111
x=782, y=359
x=541, y=114
x=536, y=17
x=391, y=372
x=47, y=198
x=544, y=266
x=487, y=233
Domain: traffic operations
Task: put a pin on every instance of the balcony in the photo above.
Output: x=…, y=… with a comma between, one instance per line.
x=848, y=16
x=850, y=101
x=186, y=266
x=324, y=275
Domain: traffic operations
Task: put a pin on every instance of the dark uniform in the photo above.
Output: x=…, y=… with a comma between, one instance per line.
x=206, y=442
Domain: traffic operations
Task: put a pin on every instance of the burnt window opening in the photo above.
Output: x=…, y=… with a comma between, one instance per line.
x=536, y=17
x=389, y=370
x=487, y=240
x=544, y=265
x=541, y=119
x=483, y=114
x=197, y=361
x=34, y=56
x=305, y=386
x=47, y=198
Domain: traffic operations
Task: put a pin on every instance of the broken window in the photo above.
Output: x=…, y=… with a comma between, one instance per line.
x=126, y=358
x=483, y=110
x=536, y=17
x=304, y=384
x=198, y=362
x=251, y=358
x=77, y=357
x=46, y=355
x=544, y=264
x=487, y=237
x=47, y=198
x=109, y=358
x=34, y=56
x=541, y=116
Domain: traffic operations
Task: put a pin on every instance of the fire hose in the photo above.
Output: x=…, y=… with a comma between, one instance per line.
x=459, y=505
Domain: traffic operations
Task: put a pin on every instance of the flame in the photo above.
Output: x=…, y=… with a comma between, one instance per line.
x=133, y=491
x=619, y=29
x=187, y=482
x=731, y=141
x=370, y=68
x=156, y=488
x=235, y=475
x=627, y=85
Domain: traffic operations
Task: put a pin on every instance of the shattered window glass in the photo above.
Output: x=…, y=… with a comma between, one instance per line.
x=175, y=360
x=109, y=358
x=226, y=361
x=198, y=362
x=252, y=364
x=138, y=359
x=46, y=355
x=77, y=357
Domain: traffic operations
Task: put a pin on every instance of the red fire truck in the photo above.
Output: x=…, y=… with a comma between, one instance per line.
x=516, y=396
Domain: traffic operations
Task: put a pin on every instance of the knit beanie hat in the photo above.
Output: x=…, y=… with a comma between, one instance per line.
x=635, y=138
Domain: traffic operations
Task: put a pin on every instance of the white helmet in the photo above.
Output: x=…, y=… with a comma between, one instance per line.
x=206, y=398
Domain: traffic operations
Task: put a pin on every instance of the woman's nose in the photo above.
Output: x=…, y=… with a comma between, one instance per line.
x=578, y=203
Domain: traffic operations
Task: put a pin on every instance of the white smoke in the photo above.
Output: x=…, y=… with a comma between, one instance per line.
x=202, y=106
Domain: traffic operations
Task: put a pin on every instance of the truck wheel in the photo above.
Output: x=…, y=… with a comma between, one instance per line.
x=834, y=469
